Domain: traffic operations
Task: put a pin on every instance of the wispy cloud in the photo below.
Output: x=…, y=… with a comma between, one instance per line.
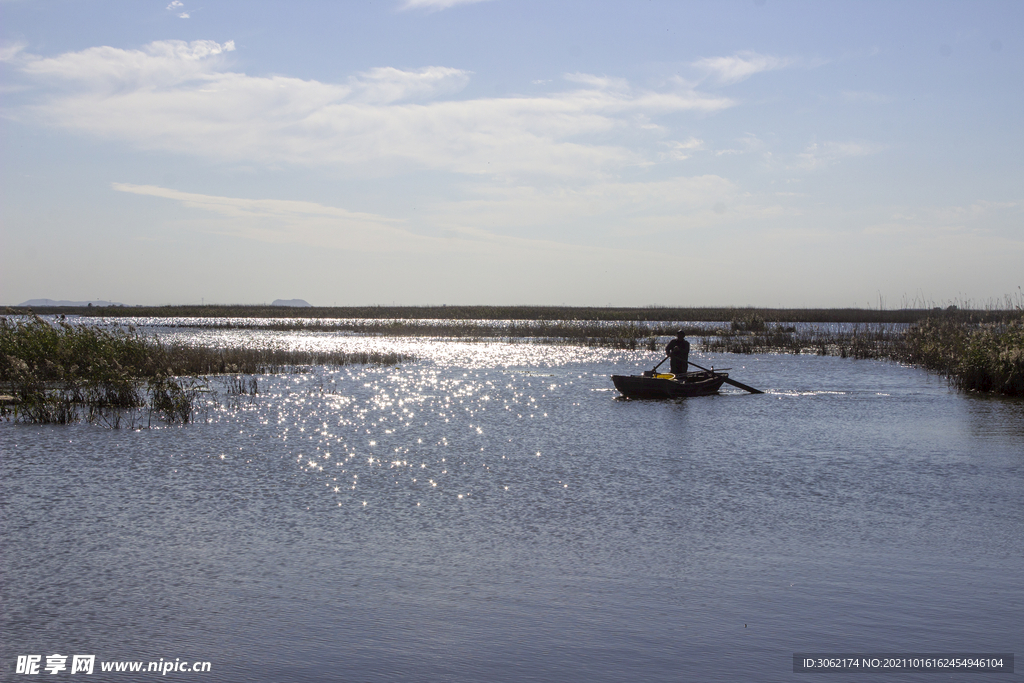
x=739, y=67
x=301, y=222
x=978, y=218
x=747, y=143
x=435, y=5
x=180, y=97
x=819, y=155
x=178, y=7
x=602, y=82
x=10, y=51
x=680, y=150
x=386, y=84
x=620, y=207
x=284, y=221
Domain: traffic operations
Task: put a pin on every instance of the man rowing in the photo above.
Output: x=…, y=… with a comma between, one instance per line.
x=678, y=351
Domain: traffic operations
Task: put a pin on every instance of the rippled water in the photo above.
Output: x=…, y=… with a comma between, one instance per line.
x=276, y=323
x=494, y=512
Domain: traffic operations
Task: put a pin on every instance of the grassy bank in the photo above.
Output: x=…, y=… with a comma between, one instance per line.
x=62, y=373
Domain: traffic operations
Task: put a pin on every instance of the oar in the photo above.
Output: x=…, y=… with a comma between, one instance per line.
x=733, y=382
x=652, y=373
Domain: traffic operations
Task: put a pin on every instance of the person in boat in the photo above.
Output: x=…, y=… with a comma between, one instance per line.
x=678, y=351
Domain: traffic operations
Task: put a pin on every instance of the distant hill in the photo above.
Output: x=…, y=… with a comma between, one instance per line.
x=39, y=303
x=295, y=303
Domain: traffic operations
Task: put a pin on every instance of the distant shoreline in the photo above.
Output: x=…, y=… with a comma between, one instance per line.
x=623, y=314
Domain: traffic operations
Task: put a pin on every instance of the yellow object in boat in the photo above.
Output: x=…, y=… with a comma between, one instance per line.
x=665, y=375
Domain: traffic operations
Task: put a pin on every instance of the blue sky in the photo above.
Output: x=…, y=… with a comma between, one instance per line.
x=589, y=153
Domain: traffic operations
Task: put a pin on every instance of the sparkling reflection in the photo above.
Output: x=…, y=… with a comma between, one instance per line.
x=493, y=508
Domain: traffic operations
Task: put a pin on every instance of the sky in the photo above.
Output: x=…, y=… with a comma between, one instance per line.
x=424, y=152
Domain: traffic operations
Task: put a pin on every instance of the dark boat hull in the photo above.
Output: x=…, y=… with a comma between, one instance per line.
x=695, y=384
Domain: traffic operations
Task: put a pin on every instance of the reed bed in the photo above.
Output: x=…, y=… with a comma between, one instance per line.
x=985, y=357
x=860, y=341
x=55, y=371
x=208, y=361
x=909, y=312
x=973, y=354
x=625, y=335
x=62, y=373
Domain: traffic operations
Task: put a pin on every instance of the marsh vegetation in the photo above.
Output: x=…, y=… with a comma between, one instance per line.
x=909, y=313
x=973, y=351
x=63, y=373
x=592, y=333
x=58, y=372
x=976, y=357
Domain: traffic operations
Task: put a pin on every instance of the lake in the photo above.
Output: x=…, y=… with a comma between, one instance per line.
x=494, y=512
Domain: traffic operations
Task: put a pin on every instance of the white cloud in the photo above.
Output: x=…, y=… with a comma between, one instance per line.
x=179, y=97
x=106, y=71
x=739, y=67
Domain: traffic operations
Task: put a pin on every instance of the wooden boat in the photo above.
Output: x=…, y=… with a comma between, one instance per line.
x=652, y=385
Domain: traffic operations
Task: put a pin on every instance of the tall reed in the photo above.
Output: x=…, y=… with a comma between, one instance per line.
x=859, y=341
x=61, y=373
x=974, y=355
x=909, y=312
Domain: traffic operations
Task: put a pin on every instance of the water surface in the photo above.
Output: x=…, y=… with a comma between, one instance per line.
x=495, y=512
